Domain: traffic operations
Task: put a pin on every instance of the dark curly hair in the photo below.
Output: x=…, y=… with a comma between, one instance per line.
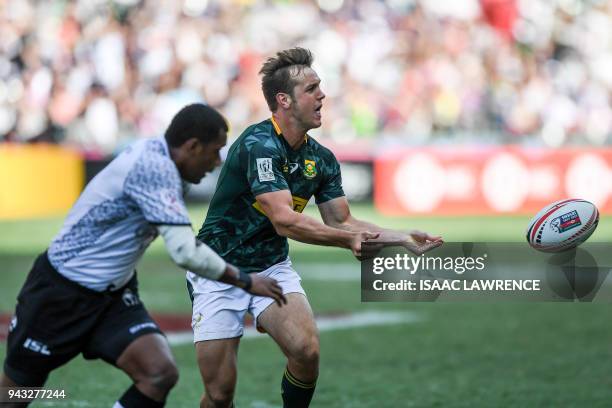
x=196, y=120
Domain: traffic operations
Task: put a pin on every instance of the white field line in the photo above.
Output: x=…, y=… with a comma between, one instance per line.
x=327, y=323
x=330, y=272
x=67, y=402
x=263, y=404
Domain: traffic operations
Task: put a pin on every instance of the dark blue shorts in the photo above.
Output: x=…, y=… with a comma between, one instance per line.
x=56, y=319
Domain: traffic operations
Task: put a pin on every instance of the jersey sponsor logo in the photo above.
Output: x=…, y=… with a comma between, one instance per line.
x=36, y=346
x=264, y=169
x=299, y=204
x=293, y=167
x=129, y=298
x=310, y=169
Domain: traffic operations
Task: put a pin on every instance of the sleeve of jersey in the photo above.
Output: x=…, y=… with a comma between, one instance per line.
x=331, y=185
x=189, y=253
x=155, y=186
x=264, y=169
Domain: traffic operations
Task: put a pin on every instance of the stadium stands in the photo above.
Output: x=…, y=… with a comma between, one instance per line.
x=98, y=74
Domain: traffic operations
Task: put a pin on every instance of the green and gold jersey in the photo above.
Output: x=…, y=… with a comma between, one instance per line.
x=261, y=161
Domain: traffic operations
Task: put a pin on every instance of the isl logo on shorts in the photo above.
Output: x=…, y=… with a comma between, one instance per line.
x=310, y=169
x=566, y=222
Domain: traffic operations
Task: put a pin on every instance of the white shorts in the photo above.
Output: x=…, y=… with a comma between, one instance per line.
x=219, y=308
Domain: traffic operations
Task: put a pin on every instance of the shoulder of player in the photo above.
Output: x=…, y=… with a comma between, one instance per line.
x=320, y=150
x=153, y=159
x=261, y=134
x=259, y=131
x=156, y=151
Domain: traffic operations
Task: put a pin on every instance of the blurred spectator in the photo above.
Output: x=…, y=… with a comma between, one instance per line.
x=97, y=74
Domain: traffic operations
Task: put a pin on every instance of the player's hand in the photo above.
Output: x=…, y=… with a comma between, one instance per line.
x=420, y=242
x=415, y=241
x=264, y=286
x=358, y=239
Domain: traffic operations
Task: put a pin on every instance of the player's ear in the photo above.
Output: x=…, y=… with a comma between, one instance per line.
x=191, y=144
x=283, y=100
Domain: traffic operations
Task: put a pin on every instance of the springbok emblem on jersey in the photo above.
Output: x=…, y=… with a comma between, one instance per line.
x=310, y=169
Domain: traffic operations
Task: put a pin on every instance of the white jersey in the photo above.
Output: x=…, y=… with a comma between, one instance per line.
x=113, y=221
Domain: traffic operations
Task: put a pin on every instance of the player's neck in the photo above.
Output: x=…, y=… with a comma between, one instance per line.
x=292, y=132
x=177, y=155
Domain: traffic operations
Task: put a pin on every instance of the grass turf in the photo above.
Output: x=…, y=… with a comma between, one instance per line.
x=32, y=236
x=459, y=355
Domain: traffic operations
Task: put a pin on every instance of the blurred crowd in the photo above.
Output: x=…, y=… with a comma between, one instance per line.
x=98, y=74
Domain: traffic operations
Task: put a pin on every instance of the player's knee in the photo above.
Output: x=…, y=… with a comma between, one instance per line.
x=167, y=377
x=162, y=376
x=220, y=397
x=307, y=352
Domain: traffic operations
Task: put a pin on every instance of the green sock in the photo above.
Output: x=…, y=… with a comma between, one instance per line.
x=296, y=393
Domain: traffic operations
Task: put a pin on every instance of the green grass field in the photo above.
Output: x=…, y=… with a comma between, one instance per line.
x=456, y=355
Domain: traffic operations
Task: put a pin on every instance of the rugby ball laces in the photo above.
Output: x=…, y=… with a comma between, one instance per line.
x=562, y=225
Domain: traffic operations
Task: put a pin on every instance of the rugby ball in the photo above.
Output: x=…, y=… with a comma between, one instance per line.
x=562, y=225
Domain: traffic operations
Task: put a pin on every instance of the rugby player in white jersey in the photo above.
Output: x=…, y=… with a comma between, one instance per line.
x=81, y=295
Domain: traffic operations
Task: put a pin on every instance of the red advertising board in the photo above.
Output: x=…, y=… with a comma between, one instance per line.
x=489, y=180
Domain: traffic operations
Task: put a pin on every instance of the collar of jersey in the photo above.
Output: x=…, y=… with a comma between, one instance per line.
x=279, y=132
x=166, y=147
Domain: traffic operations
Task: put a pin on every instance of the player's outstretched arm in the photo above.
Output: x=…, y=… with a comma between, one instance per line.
x=189, y=253
x=336, y=213
x=278, y=207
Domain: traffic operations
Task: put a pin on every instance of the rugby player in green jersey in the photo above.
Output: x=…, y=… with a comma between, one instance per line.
x=271, y=172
